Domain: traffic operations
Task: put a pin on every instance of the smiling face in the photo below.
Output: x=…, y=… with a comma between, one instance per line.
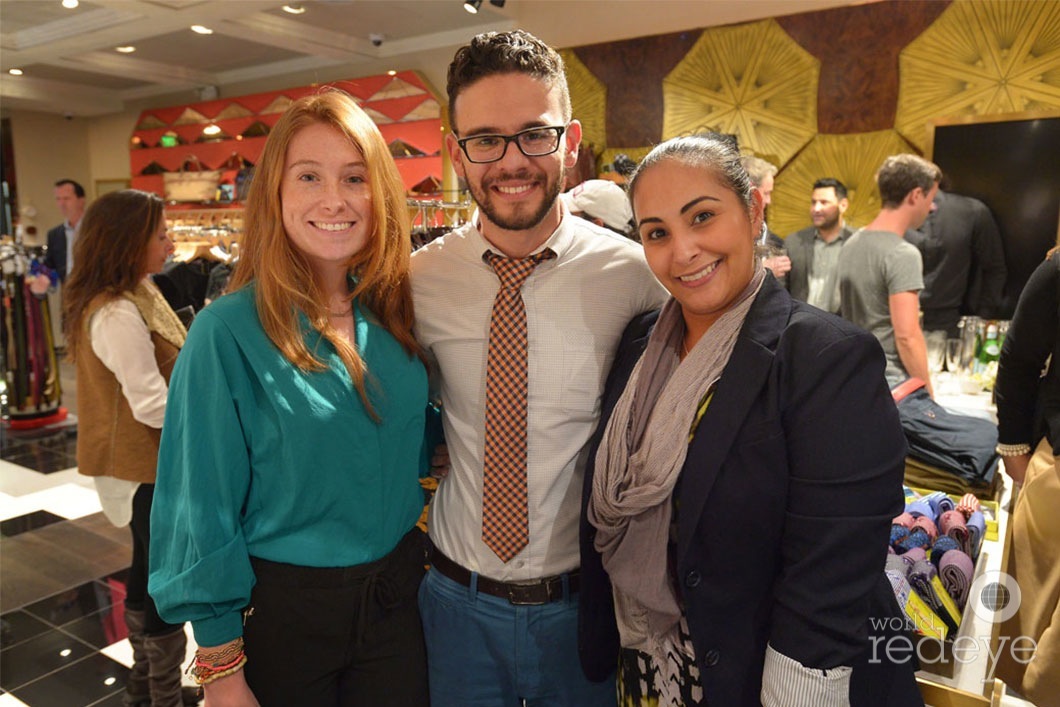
x=517, y=195
x=325, y=197
x=159, y=248
x=698, y=238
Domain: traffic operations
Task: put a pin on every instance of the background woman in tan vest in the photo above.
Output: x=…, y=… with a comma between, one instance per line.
x=124, y=338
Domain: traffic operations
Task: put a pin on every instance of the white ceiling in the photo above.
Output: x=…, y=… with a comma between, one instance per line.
x=71, y=67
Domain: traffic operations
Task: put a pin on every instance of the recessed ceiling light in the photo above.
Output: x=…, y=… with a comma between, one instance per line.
x=15, y=72
x=128, y=49
x=70, y=4
x=199, y=29
x=294, y=9
x=211, y=129
x=391, y=73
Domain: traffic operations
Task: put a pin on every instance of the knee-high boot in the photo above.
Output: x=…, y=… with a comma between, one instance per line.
x=137, y=693
x=165, y=656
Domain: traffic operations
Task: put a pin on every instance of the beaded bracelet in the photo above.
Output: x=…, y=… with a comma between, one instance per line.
x=211, y=665
x=205, y=674
x=222, y=655
x=1013, y=450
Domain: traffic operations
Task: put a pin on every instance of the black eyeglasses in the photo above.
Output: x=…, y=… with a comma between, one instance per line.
x=533, y=142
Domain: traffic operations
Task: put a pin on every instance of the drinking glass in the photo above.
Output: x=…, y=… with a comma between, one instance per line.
x=936, y=351
x=954, y=349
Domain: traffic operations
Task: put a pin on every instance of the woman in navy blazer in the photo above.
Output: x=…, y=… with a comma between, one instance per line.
x=778, y=515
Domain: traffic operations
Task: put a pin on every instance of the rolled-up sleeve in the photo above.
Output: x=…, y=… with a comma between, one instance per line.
x=846, y=454
x=200, y=568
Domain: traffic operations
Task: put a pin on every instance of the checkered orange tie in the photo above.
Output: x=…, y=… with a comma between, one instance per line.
x=504, y=523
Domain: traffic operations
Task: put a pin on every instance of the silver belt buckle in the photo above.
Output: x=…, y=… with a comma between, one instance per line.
x=517, y=598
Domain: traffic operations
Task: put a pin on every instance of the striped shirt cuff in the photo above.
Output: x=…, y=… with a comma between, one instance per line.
x=788, y=683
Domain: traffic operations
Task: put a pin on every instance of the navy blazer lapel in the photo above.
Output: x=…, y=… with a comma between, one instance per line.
x=739, y=386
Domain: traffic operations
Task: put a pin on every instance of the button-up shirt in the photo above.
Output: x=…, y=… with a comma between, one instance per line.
x=71, y=236
x=824, y=272
x=577, y=306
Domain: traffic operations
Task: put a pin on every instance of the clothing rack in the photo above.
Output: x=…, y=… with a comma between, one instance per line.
x=27, y=345
x=208, y=234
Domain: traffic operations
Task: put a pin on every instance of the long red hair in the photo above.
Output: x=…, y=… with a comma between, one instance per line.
x=283, y=280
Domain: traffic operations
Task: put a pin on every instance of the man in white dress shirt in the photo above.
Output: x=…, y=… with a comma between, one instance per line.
x=502, y=626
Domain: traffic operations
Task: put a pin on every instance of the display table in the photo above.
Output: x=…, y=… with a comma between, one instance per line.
x=964, y=673
x=960, y=394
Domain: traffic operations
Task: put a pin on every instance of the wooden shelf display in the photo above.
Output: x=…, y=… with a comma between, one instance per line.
x=404, y=108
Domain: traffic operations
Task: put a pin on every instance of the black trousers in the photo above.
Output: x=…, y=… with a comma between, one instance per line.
x=136, y=596
x=338, y=636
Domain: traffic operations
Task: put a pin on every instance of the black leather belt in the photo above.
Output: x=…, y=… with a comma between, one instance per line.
x=541, y=591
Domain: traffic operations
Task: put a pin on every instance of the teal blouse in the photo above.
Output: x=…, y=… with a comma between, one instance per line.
x=259, y=458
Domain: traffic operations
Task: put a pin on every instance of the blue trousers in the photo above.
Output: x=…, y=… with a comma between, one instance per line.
x=483, y=651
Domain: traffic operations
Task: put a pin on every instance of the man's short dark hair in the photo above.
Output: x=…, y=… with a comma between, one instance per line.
x=79, y=191
x=832, y=183
x=515, y=52
x=901, y=174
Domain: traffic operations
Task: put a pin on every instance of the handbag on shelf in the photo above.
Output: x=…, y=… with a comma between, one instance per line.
x=236, y=175
x=192, y=182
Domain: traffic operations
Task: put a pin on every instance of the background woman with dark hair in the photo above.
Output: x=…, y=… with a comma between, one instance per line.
x=288, y=484
x=124, y=339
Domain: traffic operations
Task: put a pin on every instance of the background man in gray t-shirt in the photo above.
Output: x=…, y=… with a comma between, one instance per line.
x=881, y=275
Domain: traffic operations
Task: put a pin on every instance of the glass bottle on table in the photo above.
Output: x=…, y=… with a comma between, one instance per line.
x=969, y=334
x=991, y=348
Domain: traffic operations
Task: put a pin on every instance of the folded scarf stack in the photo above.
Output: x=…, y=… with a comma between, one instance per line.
x=935, y=536
x=956, y=571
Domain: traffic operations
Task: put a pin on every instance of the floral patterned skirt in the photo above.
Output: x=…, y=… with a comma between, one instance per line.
x=642, y=683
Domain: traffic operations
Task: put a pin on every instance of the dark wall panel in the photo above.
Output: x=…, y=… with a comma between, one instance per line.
x=633, y=72
x=857, y=46
x=1012, y=167
x=858, y=49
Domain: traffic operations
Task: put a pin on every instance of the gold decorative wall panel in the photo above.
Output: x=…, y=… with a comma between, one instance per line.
x=980, y=58
x=588, y=98
x=852, y=159
x=751, y=80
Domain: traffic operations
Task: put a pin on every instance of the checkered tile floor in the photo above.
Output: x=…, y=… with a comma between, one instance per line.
x=62, y=579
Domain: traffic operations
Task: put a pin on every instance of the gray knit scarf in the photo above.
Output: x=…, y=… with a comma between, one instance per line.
x=638, y=463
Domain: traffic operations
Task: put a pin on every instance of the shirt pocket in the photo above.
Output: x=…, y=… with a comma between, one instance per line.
x=566, y=372
x=584, y=372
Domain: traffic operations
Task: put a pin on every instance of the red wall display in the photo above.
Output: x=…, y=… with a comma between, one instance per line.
x=406, y=111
